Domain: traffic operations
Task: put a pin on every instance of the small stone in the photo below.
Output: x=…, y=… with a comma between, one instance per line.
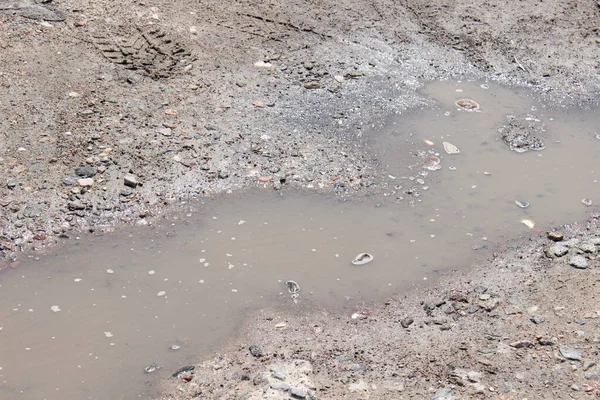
x=474, y=376
x=586, y=202
x=522, y=344
x=130, y=180
x=298, y=393
x=576, y=387
x=578, y=262
x=558, y=250
x=406, y=322
x=484, y=297
x=255, y=351
x=70, y=180
x=588, y=364
x=555, y=236
x=280, y=386
x=312, y=85
x=278, y=375
x=592, y=375
x=165, y=131
x=85, y=171
x=570, y=353
x=85, y=182
x=537, y=319
x=587, y=247
x=442, y=394
x=544, y=341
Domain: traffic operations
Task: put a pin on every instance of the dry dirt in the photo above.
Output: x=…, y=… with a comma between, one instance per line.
x=161, y=101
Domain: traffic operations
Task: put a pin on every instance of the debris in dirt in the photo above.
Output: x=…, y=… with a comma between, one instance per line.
x=519, y=344
x=558, y=250
x=586, y=202
x=299, y=393
x=529, y=223
x=55, y=308
x=182, y=370
x=255, y=351
x=406, y=322
x=265, y=179
x=450, y=148
x=85, y=171
x=280, y=325
x=522, y=204
x=258, y=103
x=292, y=287
x=443, y=394
x=537, y=319
x=555, y=236
x=428, y=142
x=467, y=105
x=362, y=259
x=313, y=85
x=174, y=347
x=151, y=368
x=521, y=137
x=578, y=262
x=130, y=180
x=85, y=182
x=262, y=64
x=360, y=315
x=570, y=353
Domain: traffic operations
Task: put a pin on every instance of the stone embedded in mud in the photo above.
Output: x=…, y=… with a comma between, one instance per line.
x=558, y=250
x=578, y=262
x=255, y=351
x=467, y=104
x=130, y=180
x=570, y=353
x=312, y=85
x=406, y=322
x=85, y=171
x=555, y=236
x=298, y=393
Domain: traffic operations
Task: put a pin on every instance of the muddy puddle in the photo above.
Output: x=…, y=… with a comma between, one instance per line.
x=84, y=322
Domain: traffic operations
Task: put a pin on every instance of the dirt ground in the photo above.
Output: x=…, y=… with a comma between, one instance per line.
x=113, y=112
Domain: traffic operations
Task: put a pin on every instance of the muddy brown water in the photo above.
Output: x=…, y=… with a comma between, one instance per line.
x=82, y=322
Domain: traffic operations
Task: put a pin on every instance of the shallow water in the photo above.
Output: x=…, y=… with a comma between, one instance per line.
x=234, y=254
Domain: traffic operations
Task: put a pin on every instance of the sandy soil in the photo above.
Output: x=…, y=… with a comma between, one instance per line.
x=112, y=112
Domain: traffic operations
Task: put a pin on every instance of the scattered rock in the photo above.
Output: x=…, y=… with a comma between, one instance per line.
x=406, y=322
x=312, y=85
x=578, y=262
x=570, y=353
x=130, y=180
x=558, y=250
x=588, y=364
x=298, y=393
x=85, y=171
x=555, y=236
x=522, y=344
x=85, y=182
x=255, y=351
x=537, y=319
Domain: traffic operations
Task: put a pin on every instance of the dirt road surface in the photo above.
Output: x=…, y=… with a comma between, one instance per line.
x=113, y=112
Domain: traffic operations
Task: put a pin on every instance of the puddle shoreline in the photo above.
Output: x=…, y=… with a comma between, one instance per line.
x=234, y=252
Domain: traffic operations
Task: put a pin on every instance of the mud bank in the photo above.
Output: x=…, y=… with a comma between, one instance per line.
x=523, y=324
x=114, y=112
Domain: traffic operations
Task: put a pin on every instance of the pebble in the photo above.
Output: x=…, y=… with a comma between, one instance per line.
x=280, y=386
x=85, y=182
x=130, y=180
x=555, y=236
x=570, y=353
x=578, y=262
x=588, y=364
x=587, y=247
x=312, y=85
x=558, y=250
x=255, y=351
x=442, y=394
x=165, y=131
x=592, y=375
x=85, y=171
x=299, y=393
x=406, y=322
x=55, y=308
x=537, y=319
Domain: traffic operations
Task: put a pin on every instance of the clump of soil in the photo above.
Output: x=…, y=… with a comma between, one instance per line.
x=522, y=135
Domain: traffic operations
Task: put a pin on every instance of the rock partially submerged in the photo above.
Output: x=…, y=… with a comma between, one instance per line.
x=521, y=137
